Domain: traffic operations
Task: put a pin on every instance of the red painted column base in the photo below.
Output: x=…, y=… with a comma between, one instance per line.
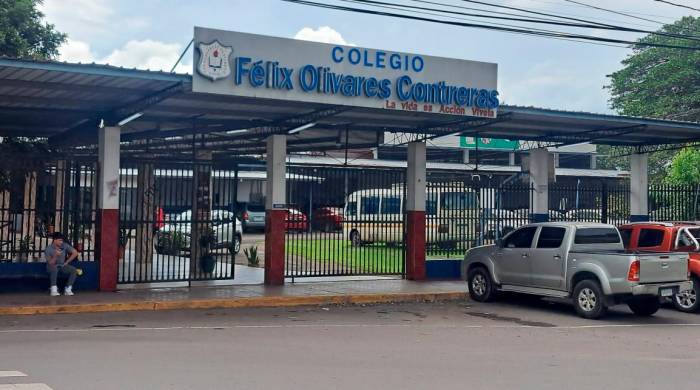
x=415, y=245
x=107, y=248
x=274, y=246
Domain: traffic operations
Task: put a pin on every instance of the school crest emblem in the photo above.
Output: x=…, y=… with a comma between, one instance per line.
x=214, y=60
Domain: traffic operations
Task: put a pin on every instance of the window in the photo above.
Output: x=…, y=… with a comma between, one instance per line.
x=457, y=200
x=369, y=205
x=597, y=236
x=431, y=204
x=521, y=238
x=551, y=237
x=256, y=208
x=391, y=206
x=686, y=241
x=351, y=209
x=649, y=238
x=626, y=237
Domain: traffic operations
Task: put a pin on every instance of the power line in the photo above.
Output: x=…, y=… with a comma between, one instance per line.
x=525, y=31
x=677, y=5
x=494, y=24
x=612, y=11
x=586, y=24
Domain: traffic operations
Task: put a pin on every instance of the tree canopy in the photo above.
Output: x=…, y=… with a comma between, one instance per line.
x=657, y=83
x=24, y=34
x=685, y=167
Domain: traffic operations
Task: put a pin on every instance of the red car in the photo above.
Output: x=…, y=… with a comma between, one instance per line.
x=328, y=219
x=669, y=237
x=296, y=220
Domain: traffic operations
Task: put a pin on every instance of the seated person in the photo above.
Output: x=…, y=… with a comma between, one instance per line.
x=57, y=262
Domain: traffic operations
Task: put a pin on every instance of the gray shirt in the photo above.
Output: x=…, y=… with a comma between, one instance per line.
x=52, y=251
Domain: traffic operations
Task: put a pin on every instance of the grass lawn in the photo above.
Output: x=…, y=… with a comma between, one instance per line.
x=374, y=258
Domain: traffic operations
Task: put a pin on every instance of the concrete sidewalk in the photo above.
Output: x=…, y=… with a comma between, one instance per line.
x=297, y=294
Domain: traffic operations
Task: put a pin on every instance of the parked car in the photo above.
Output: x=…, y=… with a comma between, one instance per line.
x=583, y=215
x=228, y=231
x=669, y=237
x=582, y=262
x=252, y=216
x=296, y=220
x=327, y=219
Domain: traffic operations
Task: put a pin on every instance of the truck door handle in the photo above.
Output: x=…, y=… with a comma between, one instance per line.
x=557, y=257
x=524, y=255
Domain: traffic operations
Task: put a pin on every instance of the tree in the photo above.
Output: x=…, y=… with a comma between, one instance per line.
x=23, y=34
x=657, y=83
x=685, y=167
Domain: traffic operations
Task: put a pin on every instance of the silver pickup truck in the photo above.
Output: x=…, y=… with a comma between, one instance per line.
x=582, y=262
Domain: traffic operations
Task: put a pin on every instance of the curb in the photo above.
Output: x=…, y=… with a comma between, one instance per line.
x=232, y=303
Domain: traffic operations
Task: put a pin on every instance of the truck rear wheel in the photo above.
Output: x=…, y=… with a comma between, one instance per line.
x=687, y=301
x=644, y=306
x=480, y=285
x=589, y=299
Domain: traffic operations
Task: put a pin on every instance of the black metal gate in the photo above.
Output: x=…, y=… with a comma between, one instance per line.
x=345, y=221
x=177, y=222
x=464, y=210
x=39, y=197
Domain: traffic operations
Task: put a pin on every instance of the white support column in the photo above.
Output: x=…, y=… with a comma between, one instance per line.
x=539, y=181
x=639, y=187
x=275, y=209
x=108, y=205
x=415, y=211
x=108, y=155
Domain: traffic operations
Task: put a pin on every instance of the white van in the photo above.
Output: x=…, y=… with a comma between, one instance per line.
x=376, y=215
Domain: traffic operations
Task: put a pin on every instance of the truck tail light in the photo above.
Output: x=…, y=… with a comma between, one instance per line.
x=633, y=274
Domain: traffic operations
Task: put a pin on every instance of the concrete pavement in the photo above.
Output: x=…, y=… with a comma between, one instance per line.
x=346, y=291
x=518, y=343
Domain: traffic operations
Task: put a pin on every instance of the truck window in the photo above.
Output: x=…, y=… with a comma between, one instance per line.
x=596, y=236
x=369, y=205
x=391, y=205
x=649, y=238
x=626, y=235
x=551, y=237
x=521, y=238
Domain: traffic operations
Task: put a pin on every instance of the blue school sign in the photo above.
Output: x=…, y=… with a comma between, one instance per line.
x=239, y=64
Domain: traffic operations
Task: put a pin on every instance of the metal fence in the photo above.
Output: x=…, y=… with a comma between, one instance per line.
x=177, y=222
x=47, y=197
x=345, y=221
x=463, y=211
x=674, y=202
x=590, y=202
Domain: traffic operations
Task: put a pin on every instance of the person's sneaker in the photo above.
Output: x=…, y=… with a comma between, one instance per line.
x=54, y=291
x=68, y=291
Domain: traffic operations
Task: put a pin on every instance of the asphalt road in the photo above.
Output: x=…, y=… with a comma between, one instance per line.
x=518, y=343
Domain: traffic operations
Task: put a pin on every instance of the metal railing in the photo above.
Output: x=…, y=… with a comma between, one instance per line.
x=47, y=197
x=344, y=221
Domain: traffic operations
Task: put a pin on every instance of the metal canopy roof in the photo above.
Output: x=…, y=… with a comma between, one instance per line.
x=66, y=103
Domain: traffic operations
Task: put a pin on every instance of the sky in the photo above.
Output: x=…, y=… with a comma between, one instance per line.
x=532, y=71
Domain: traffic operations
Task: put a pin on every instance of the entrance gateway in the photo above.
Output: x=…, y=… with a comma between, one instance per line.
x=173, y=142
x=343, y=220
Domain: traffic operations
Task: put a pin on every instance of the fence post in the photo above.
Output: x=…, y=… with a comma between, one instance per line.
x=639, y=188
x=108, y=203
x=275, y=209
x=604, y=202
x=415, y=211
